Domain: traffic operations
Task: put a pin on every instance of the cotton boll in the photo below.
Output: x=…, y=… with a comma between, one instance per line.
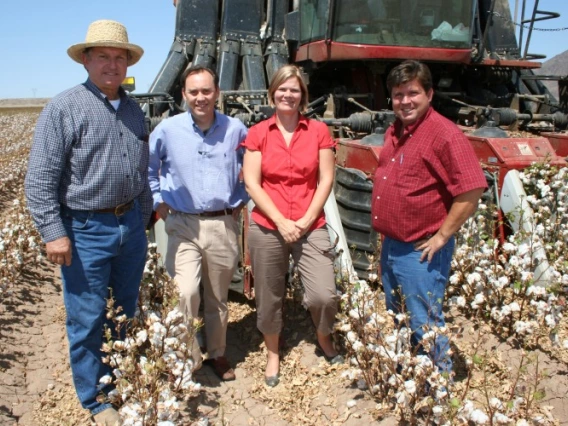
x=479, y=417
x=496, y=403
x=106, y=379
x=437, y=410
x=410, y=386
x=358, y=346
x=352, y=337
x=474, y=277
x=141, y=337
x=402, y=398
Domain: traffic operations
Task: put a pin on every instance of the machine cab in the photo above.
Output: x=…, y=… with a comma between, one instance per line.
x=410, y=23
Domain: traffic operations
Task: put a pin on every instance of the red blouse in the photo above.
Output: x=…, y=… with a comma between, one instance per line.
x=289, y=173
x=418, y=176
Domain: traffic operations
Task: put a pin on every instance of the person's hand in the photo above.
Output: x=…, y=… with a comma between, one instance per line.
x=59, y=251
x=289, y=231
x=430, y=246
x=164, y=210
x=303, y=225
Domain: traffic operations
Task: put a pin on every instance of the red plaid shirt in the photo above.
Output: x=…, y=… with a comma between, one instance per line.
x=418, y=176
x=289, y=173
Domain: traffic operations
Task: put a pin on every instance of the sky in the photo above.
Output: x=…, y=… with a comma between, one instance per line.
x=35, y=35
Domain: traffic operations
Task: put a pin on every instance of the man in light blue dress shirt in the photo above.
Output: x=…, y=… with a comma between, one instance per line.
x=194, y=173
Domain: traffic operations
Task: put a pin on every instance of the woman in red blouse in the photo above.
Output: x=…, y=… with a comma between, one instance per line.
x=288, y=171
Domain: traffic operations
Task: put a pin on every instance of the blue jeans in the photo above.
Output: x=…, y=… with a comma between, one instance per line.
x=422, y=286
x=109, y=254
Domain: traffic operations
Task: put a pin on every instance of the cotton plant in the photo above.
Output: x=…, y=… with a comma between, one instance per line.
x=20, y=244
x=383, y=363
x=381, y=357
x=547, y=189
x=150, y=356
x=498, y=281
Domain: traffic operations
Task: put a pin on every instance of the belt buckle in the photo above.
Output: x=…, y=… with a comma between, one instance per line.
x=120, y=209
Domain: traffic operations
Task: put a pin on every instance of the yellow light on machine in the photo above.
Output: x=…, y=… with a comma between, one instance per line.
x=129, y=84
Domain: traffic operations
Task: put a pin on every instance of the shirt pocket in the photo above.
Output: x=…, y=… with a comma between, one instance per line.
x=141, y=153
x=410, y=173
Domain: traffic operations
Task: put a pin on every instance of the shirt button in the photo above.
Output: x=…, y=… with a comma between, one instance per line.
x=384, y=177
x=120, y=134
x=378, y=198
x=124, y=155
x=376, y=218
x=392, y=159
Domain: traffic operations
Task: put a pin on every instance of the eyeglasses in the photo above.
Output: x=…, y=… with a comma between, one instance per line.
x=332, y=248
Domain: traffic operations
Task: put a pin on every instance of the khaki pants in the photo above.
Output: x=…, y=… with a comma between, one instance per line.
x=203, y=249
x=270, y=256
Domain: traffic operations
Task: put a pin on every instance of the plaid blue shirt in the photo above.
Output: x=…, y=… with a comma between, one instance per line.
x=193, y=172
x=87, y=156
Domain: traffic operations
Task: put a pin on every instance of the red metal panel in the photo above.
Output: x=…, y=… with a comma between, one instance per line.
x=559, y=142
x=504, y=154
x=514, y=152
x=510, y=63
x=498, y=154
x=352, y=154
x=319, y=51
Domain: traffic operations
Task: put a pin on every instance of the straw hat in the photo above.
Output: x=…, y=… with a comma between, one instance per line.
x=105, y=33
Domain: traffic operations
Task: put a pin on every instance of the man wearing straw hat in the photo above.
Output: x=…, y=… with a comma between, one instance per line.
x=87, y=190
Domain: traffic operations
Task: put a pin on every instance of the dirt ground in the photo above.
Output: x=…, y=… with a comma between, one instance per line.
x=36, y=386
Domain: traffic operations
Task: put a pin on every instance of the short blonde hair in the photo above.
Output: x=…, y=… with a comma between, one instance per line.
x=283, y=74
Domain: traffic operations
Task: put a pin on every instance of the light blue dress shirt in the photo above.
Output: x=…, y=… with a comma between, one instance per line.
x=194, y=172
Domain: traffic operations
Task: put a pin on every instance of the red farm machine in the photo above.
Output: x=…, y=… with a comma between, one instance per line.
x=483, y=76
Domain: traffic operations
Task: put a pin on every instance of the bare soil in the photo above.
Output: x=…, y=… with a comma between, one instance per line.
x=36, y=386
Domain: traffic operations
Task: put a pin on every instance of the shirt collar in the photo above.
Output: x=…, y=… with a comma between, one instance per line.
x=93, y=88
x=412, y=128
x=213, y=125
x=302, y=121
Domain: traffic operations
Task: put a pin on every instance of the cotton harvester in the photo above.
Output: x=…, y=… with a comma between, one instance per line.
x=484, y=81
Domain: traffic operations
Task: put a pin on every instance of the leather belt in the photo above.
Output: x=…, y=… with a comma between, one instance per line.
x=223, y=212
x=118, y=210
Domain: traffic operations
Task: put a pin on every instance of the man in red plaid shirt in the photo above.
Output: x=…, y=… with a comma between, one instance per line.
x=427, y=184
